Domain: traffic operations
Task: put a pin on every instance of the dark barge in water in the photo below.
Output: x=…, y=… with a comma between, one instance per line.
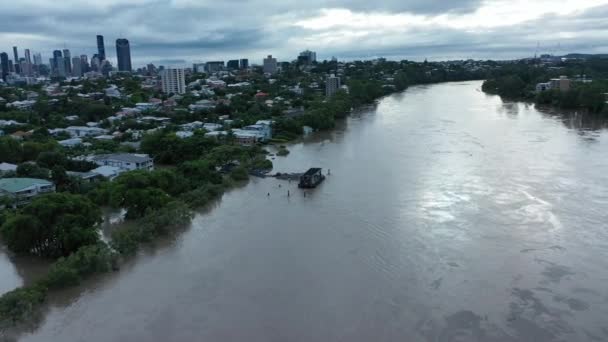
x=311, y=178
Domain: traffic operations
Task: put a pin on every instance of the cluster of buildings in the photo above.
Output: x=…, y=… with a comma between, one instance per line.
x=26, y=69
x=17, y=192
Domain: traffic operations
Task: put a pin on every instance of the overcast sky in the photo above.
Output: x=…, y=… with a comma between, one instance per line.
x=185, y=31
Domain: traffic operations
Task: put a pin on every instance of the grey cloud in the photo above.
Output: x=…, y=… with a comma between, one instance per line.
x=201, y=30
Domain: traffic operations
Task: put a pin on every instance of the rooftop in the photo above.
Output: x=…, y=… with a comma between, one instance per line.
x=125, y=157
x=8, y=167
x=18, y=184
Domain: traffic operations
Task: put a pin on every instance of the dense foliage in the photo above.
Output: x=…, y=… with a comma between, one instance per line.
x=518, y=81
x=52, y=225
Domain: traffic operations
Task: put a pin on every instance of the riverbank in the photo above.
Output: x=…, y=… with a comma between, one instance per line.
x=156, y=203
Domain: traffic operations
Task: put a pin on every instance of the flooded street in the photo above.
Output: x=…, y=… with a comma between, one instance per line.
x=448, y=216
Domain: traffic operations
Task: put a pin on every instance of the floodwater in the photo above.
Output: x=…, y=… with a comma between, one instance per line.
x=448, y=216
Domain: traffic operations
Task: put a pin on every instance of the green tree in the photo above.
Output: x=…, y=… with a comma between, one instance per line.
x=53, y=225
x=50, y=159
x=31, y=170
x=10, y=150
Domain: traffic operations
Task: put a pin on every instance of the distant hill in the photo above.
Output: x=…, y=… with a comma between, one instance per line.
x=585, y=55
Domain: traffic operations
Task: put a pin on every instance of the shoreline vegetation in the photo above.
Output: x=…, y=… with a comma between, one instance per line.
x=588, y=88
x=64, y=226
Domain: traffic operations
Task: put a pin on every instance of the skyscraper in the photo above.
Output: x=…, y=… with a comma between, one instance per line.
x=270, y=65
x=307, y=57
x=101, y=49
x=4, y=64
x=332, y=84
x=84, y=63
x=16, y=60
x=233, y=64
x=173, y=81
x=95, y=63
x=57, y=57
x=28, y=58
x=76, y=67
x=58, y=64
x=123, y=54
x=67, y=60
x=27, y=67
x=244, y=63
x=105, y=67
x=37, y=59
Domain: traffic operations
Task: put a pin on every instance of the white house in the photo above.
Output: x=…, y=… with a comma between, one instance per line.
x=202, y=105
x=192, y=126
x=210, y=127
x=147, y=106
x=263, y=129
x=70, y=142
x=247, y=137
x=113, y=91
x=184, y=134
x=27, y=104
x=125, y=161
x=6, y=167
x=84, y=131
x=109, y=172
x=4, y=123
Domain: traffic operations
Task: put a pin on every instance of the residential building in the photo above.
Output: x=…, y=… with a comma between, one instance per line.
x=244, y=63
x=215, y=83
x=70, y=142
x=101, y=50
x=332, y=84
x=270, y=65
x=125, y=161
x=173, y=81
x=210, y=127
x=262, y=130
x=144, y=106
x=113, y=91
x=233, y=64
x=20, y=191
x=540, y=87
x=6, y=167
x=562, y=83
x=23, y=105
x=184, y=134
x=85, y=176
x=202, y=105
x=109, y=172
x=85, y=131
x=123, y=54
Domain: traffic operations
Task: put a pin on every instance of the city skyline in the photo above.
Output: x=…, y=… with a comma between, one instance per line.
x=414, y=29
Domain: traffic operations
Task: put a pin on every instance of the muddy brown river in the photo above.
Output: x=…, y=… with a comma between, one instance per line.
x=449, y=215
